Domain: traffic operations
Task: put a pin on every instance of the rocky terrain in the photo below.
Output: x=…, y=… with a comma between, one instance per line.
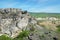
x=13, y=21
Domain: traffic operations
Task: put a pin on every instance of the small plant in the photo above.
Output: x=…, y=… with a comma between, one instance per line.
x=4, y=37
x=58, y=28
x=19, y=37
x=22, y=35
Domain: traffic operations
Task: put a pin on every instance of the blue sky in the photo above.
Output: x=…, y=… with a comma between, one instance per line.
x=32, y=5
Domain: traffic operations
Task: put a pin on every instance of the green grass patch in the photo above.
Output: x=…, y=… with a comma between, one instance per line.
x=19, y=37
x=22, y=35
x=57, y=15
x=4, y=37
x=58, y=28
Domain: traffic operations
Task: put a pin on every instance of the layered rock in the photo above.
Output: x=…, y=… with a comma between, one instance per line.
x=13, y=21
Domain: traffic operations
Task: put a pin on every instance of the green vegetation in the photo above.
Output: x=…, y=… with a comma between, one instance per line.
x=4, y=37
x=58, y=28
x=19, y=37
x=38, y=15
x=45, y=15
x=22, y=35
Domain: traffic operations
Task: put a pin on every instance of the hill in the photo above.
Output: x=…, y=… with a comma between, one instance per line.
x=45, y=14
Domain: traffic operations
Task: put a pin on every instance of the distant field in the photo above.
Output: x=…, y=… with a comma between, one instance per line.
x=45, y=15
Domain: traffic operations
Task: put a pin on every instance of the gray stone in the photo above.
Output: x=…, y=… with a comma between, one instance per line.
x=13, y=21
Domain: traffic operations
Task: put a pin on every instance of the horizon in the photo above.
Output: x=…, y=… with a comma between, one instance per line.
x=44, y=12
x=48, y=6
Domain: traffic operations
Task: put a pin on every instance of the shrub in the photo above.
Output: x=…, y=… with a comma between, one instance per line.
x=22, y=35
x=19, y=37
x=4, y=37
x=58, y=27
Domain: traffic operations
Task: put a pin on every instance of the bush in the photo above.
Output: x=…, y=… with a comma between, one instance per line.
x=22, y=35
x=58, y=28
x=4, y=37
x=19, y=37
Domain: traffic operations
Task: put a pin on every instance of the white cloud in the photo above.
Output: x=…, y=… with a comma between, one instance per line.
x=41, y=1
x=55, y=8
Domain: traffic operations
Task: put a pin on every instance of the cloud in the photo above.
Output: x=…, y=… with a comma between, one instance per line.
x=32, y=5
x=53, y=9
x=41, y=1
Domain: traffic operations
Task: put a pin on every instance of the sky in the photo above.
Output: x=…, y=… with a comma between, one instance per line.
x=52, y=6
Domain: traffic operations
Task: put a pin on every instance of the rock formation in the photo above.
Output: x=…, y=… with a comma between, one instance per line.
x=13, y=21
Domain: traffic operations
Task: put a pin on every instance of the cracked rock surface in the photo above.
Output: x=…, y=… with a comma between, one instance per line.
x=13, y=21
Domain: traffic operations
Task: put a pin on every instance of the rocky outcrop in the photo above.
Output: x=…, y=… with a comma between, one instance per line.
x=13, y=21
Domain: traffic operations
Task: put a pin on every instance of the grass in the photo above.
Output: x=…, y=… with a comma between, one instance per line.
x=4, y=37
x=45, y=15
x=58, y=28
x=22, y=35
x=19, y=37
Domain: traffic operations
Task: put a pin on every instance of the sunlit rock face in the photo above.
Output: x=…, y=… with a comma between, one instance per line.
x=12, y=21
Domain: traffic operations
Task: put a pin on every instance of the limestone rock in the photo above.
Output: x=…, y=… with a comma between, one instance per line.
x=13, y=21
